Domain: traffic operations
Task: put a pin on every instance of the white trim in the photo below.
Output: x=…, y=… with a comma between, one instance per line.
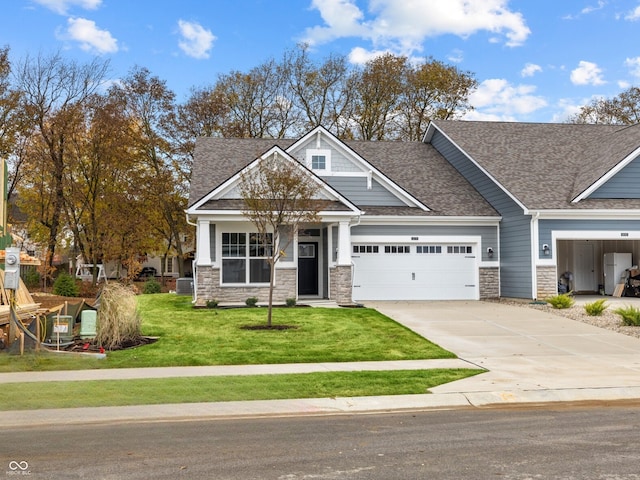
x=429, y=134
x=319, y=152
x=607, y=176
x=421, y=220
x=418, y=239
x=589, y=214
x=595, y=235
x=533, y=230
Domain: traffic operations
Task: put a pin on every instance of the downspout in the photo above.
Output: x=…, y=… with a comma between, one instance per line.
x=194, y=264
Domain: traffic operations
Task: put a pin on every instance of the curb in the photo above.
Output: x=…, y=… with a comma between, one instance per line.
x=313, y=406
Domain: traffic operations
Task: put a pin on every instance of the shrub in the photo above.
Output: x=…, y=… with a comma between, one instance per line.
x=31, y=278
x=65, y=286
x=630, y=315
x=560, y=301
x=596, y=308
x=251, y=301
x=291, y=302
x=212, y=303
x=118, y=318
x=151, y=286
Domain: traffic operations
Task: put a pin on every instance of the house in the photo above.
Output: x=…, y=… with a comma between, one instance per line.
x=476, y=210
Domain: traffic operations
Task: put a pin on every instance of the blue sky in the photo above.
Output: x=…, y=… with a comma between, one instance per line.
x=535, y=61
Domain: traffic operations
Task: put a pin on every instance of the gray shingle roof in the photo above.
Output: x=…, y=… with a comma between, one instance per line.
x=545, y=166
x=416, y=167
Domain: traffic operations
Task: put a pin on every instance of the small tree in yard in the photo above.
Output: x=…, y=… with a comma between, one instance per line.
x=279, y=195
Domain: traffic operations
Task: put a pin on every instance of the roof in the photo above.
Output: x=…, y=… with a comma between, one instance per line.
x=547, y=165
x=411, y=165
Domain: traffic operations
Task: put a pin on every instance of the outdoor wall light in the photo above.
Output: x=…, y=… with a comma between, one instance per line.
x=545, y=249
x=490, y=252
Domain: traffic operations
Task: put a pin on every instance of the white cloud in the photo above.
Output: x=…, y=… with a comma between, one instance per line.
x=90, y=37
x=360, y=56
x=62, y=6
x=587, y=73
x=497, y=99
x=403, y=26
x=456, y=56
x=634, y=66
x=633, y=14
x=530, y=69
x=196, y=40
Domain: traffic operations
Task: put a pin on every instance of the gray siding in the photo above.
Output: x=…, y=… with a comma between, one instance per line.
x=623, y=184
x=212, y=241
x=339, y=162
x=546, y=227
x=516, y=270
x=355, y=189
x=488, y=234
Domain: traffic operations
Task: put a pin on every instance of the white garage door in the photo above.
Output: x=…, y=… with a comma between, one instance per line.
x=415, y=272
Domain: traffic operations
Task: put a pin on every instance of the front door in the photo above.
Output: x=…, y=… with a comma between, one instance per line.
x=584, y=265
x=308, y=268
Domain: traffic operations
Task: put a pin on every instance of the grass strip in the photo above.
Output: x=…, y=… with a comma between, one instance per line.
x=30, y=396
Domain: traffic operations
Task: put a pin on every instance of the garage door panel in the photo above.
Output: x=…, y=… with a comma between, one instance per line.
x=413, y=276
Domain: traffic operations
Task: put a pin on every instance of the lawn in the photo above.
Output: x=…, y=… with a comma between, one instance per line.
x=191, y=337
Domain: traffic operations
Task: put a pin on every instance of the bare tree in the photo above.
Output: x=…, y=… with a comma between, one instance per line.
x=279, y=194
x=623, y=109
x=53, y=91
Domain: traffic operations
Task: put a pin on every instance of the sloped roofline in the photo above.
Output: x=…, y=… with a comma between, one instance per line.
x=427, y=139
x=402, y=193
x=275, y=150
x=607, y=176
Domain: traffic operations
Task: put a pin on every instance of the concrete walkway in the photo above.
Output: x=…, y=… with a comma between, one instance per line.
x=532, y=357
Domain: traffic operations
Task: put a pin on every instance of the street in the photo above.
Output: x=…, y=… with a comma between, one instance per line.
x=554, y=443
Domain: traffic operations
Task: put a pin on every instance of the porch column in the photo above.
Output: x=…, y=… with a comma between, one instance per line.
x=344, y=244
x=203, y=248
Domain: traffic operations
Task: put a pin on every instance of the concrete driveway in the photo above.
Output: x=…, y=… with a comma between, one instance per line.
x=523, y=348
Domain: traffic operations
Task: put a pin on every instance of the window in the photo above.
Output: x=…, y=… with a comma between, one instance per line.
x=429, y=249
x=168, y=266
x=463, y=249
x=365, y=249
x=319, y=159
x=244, y=258
x=397, y=249
x=318, y=162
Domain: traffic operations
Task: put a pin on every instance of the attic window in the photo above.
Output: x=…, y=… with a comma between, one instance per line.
x=319, y=160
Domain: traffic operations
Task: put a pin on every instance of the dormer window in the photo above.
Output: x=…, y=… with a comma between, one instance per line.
x=319, y=160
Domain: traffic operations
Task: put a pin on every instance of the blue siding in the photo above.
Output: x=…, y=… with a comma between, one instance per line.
x=488, y=234
x=624, y=184
x=546, y=227
x=355, y=189
x=212, y=241
x=515, y=229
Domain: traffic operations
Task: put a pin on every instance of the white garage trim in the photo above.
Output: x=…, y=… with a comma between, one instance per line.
x=415, y=268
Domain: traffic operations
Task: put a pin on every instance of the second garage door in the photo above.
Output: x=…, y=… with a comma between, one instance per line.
x=440, y=271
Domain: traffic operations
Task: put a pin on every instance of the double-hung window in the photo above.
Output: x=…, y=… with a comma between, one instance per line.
x=244, y=257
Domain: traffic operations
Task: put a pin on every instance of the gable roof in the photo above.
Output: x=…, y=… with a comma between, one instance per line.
x=415, y=167
x=545, y=165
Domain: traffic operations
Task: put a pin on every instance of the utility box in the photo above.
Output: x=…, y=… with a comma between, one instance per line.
x=88, y=324
x=60, y=328
x=184, y=286
x=12, y=268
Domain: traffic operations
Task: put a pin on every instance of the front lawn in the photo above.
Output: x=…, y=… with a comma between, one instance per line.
x=190, y=337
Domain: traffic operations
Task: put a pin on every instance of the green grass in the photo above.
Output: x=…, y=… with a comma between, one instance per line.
x=192, y=337
x=31, y=396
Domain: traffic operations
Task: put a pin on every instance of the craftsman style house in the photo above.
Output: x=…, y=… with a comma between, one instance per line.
x=476, y=210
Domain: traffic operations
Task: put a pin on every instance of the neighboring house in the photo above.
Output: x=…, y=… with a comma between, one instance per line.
x=477, y=210
x=567, y=194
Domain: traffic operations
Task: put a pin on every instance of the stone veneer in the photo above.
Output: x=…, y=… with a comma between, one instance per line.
x=490, y=282
x=340, y=284
x=547, y=278
x=208, y=288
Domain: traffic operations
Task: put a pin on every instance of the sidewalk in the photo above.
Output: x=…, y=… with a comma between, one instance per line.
x=532, y=357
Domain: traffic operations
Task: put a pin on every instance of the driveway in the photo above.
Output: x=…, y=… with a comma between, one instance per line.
x=523, y=348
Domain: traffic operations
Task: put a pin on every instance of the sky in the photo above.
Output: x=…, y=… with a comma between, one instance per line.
x=534, y=60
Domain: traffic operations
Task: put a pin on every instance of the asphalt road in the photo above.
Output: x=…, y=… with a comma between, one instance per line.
x=561, y=443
